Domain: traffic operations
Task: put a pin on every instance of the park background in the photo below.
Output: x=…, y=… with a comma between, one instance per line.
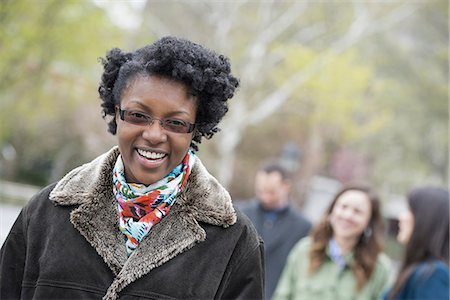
x=337, y=90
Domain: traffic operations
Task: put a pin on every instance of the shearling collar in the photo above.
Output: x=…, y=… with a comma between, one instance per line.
x=90, y=187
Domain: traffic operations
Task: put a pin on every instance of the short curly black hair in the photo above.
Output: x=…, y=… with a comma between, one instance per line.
x=206, y=73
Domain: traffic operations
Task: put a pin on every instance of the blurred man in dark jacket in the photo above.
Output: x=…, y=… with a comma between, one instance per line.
x=276, y=220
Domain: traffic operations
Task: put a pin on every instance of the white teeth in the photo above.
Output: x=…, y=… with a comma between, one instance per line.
x=150, y=155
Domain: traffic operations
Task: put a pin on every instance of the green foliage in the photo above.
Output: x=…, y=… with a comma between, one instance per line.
x=47, y=73
x=385, y=99
x=336, y=98
x=412, y=85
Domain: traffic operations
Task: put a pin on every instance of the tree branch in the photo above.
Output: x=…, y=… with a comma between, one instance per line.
x=360, y=28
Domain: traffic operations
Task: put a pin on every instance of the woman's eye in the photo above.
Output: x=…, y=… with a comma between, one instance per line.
x=175, y=122
x=137, y=115
x=344, y=207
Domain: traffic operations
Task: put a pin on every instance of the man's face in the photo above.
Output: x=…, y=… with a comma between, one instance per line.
x=271, y=190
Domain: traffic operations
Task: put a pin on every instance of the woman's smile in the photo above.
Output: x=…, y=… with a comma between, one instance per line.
x=151, y=155
x=150, y=159
x=345, y=224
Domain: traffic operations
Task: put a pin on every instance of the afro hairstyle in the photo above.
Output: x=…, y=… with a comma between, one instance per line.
x=206, y=73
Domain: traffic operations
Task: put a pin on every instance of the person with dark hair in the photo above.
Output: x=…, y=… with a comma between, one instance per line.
x=343, y=258
x=424, y=230
x=276, y=220
x=145, y=220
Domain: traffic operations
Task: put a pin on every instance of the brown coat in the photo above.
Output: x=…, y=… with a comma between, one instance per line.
x=70, y=246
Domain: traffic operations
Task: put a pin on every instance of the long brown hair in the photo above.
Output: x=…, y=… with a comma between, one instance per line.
x=368, y=246
x=430, y=236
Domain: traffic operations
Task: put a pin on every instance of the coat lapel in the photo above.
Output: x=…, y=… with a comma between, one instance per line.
x=173, y=235
x=96, y=218
x=97, y=221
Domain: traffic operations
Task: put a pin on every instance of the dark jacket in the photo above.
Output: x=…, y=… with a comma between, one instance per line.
x=429, y=280
x=66, y=244
x=280, y=231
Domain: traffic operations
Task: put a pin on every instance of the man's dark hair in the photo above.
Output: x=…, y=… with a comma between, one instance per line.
x=206, y=73
x=271, y=167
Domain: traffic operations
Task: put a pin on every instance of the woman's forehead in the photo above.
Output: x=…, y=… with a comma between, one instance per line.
x=354, y=198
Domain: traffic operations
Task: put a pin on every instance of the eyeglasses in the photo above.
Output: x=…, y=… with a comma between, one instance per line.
x=169, y=124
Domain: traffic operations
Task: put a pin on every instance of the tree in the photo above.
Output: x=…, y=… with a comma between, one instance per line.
x=253, y=33
x=412, y=58
x=48, y=72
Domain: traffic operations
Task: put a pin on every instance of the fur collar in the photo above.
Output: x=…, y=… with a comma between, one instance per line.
x=90, y=187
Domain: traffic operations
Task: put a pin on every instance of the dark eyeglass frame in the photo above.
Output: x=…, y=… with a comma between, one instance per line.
x=186, y=127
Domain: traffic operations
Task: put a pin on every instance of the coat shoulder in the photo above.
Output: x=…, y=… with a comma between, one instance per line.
x=40, y=199
x=247, y=228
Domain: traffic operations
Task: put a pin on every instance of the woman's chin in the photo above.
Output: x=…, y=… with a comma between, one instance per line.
x=148, y=179
x=146, y=176
x=401, y=239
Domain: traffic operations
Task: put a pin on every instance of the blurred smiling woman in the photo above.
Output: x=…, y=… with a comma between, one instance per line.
x=145, y=220
x=342, y=258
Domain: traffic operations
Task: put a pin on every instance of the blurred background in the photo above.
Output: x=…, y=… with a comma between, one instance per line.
x=337, y=90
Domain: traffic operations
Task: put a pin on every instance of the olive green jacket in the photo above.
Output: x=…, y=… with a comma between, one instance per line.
x=328, y=282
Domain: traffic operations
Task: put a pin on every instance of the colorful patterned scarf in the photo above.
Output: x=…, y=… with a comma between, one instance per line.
x=140, y=206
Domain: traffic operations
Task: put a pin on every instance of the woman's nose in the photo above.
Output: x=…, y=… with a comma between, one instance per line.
x=154, y=133
x=347, y=213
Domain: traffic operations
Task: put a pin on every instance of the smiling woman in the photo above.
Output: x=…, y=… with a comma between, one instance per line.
x=145, y=219
x=342, y=259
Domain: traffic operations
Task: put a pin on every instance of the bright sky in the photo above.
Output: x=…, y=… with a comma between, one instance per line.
x=124, y=14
